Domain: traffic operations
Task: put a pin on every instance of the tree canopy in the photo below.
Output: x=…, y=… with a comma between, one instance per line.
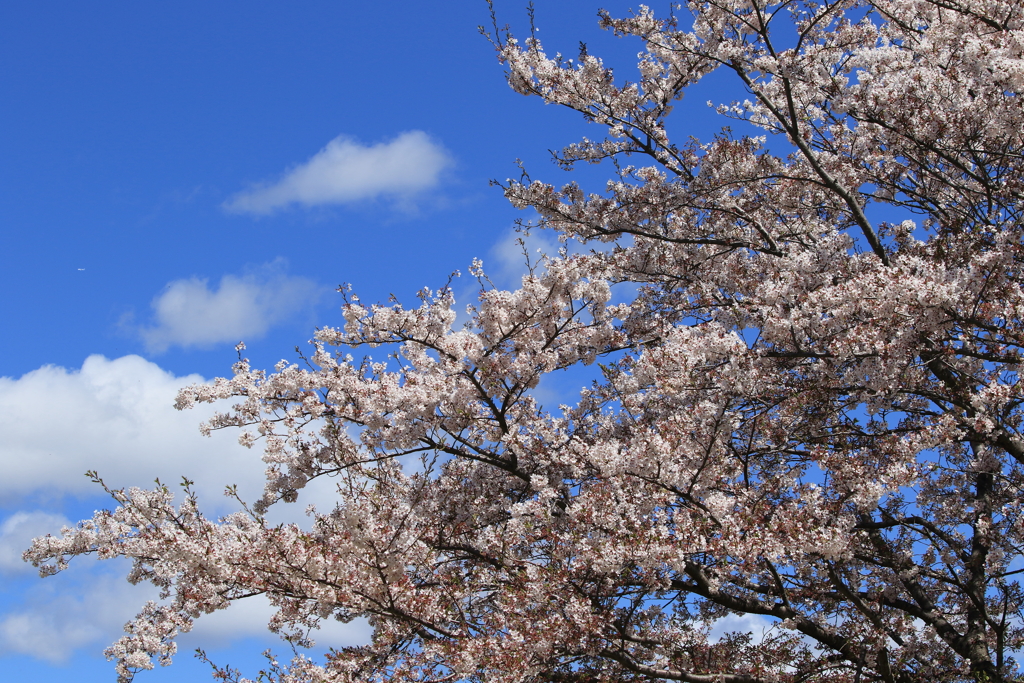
x=805, y=403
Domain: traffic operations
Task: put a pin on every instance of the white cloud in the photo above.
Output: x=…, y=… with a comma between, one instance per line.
x=16, y=534
x=87, y=607
x=248, y=618
x=189, y=313
x=63, y=614
x=345, y=171
x=116, y=417
x=756, y=625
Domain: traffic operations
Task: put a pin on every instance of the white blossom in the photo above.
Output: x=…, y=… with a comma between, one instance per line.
x=800, y=413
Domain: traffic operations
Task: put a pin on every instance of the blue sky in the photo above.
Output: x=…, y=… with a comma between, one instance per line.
x=177, y=177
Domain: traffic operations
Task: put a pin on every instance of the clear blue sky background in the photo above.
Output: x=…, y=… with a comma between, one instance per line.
x=150, y=154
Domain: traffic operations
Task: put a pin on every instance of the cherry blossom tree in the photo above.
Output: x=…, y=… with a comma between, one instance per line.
x=805, y=407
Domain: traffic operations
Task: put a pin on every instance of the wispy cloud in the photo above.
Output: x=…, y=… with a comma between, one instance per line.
x=513, y=254
x=346, y=171
x=248, y=618
x=54, y=622
x=190, y=313
x=17, y=532
x=87, y=609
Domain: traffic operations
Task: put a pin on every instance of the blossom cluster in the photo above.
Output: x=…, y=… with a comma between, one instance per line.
x=798, y=412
